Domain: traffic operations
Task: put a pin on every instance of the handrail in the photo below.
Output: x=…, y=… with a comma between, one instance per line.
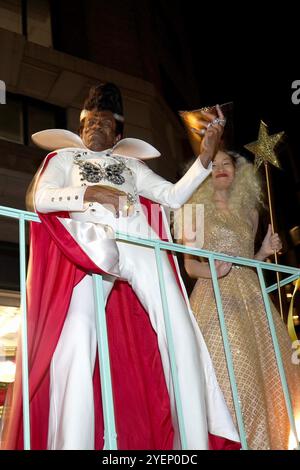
x=158, y=245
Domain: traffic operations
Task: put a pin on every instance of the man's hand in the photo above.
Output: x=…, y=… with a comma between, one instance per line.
x=111, y=198
x=213, y=128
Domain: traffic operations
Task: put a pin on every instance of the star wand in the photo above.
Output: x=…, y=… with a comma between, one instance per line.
x=264, y=152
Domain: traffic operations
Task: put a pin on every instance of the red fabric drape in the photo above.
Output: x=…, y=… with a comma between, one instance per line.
x=141, y=400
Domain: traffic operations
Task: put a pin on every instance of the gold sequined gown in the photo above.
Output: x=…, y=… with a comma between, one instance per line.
x=260, y=393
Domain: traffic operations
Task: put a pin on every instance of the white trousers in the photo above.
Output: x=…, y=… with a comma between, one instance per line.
x=71, y=421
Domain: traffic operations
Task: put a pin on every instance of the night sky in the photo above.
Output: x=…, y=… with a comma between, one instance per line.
x=269, y=100
x=251, y=59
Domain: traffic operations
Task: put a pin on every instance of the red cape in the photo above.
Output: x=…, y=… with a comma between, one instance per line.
x=142, y=408
x=141, y=400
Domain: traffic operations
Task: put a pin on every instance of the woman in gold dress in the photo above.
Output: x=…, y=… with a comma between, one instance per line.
x=231, y=198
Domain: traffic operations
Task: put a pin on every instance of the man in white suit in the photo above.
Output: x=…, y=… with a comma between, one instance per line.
x=89, y=182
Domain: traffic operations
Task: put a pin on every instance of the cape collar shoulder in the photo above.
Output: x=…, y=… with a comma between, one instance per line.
x=56, y=139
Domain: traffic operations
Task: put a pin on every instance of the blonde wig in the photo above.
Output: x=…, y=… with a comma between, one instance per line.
x=245, y=193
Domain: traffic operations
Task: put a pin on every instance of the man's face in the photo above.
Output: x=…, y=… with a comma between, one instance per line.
x=99, y=130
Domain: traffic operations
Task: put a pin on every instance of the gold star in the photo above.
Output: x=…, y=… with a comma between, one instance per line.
x=263, y=148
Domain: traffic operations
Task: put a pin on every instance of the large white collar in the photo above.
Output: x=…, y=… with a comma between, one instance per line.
x=55, y=139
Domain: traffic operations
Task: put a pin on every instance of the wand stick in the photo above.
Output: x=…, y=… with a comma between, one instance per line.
x=266, y=164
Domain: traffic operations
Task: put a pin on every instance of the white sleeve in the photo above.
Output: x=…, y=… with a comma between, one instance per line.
x=156, y=188
x=52, y=193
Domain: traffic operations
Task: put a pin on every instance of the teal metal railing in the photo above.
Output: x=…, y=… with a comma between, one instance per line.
x=106, y=385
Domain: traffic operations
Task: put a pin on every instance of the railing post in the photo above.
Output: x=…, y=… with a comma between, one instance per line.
x=278, y=356
x=236, y=401
x=171, y=348
x=110, y=436
x=25, y=380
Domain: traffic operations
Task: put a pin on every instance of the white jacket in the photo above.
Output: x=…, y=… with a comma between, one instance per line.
x=60, y=187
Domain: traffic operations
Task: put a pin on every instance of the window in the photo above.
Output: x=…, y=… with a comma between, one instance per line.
x=40, y=117
x=32, y=18
x=22, y=116
x=11, y=120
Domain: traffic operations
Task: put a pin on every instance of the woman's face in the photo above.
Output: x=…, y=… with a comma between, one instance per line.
x=223, y=171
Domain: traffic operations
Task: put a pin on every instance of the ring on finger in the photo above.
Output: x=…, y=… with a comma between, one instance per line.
x=219, y=121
